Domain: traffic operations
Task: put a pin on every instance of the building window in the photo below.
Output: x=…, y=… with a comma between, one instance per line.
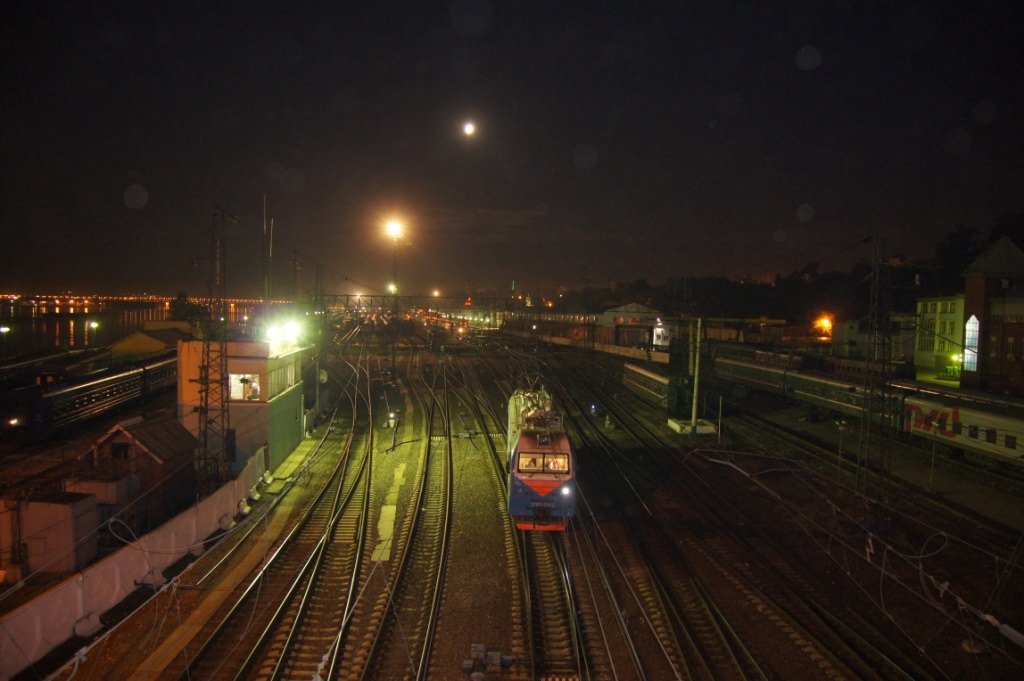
x=932, y=307
x=990, y=435
x=245, y=386
x=944, y=307
x=972, y=432
x=952, y=306
x=971, y=344
x=120, y=451
x=1011, y=442
x=926, y=338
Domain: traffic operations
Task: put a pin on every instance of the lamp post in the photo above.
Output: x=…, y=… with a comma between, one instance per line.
x=394, y=231
x=931, y=470
x=4, y=330
x=841, y=427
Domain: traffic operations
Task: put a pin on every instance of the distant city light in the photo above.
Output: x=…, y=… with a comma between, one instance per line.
x=469, y=128
x=824, y=324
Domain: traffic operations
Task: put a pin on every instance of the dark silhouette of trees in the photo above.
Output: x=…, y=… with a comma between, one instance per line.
x=952, y=256
x=802, y=295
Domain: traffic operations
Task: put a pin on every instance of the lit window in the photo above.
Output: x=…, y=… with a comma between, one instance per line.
x=971, y=344
x=245, y=386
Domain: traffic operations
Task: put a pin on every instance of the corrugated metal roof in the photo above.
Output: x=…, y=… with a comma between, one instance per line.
x=163, y=437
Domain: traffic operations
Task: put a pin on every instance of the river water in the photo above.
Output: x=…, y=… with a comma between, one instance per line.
x=32, y=325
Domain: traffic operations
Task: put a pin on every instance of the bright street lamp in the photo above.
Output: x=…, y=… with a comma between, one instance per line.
x=394, y=230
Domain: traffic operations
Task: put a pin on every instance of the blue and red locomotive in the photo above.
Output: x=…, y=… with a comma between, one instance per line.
x=541, y=465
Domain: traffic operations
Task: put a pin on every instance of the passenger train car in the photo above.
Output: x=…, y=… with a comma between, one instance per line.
x=957, y=421
x=649, y=385
x=541, y=465
x=38, y=412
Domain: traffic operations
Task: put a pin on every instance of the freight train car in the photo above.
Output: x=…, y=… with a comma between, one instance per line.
x=541, y=465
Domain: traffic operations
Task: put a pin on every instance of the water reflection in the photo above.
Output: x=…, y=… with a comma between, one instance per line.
x=35, y=325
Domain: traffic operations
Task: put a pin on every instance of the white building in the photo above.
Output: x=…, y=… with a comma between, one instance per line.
x=266, y=405
x=938, y=351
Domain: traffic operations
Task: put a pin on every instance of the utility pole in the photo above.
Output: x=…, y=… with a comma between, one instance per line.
x=877, y=390
x=214, y=391
x=296, y=268
x=268, y=256
x=696, y=376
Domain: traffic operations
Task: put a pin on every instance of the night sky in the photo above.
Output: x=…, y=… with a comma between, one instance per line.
x=616, y=141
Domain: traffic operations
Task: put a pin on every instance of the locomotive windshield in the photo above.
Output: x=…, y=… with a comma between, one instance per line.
x=543, y=463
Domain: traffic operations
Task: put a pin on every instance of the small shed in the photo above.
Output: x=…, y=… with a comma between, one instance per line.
x=53, y=532
x=143, y=470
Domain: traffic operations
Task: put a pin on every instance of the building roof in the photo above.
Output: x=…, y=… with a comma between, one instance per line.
x=140, y=345
x=1002, y=259
x=162, y=437
x=166, y=337
x=632, y=308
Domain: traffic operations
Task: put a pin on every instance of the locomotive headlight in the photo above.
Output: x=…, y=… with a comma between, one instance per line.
x=14, y=422
x=566, y=490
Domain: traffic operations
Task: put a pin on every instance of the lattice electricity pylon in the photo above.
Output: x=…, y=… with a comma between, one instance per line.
x=215, y=443
x=878, y=418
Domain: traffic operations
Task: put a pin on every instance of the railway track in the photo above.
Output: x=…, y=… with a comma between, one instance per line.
x=548, y=629
x=709, y=538
x=886, y=557
x=659, y=577
x=402, y=645
x=286, y=618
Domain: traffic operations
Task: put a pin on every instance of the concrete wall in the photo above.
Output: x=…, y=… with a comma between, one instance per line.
x=74, y=606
